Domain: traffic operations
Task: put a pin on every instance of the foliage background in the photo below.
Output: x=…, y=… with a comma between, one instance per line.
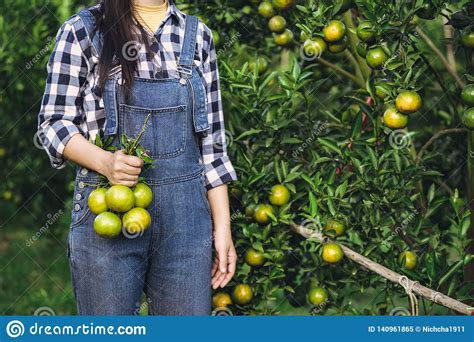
x=372, y=188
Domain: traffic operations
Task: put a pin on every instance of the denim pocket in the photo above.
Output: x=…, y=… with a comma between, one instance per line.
x=165, y=134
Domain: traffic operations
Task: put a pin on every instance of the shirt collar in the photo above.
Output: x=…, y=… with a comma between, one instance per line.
x=175, y=12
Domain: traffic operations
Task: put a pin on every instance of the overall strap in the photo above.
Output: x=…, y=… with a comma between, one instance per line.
x=186, y=57
x=89, y=20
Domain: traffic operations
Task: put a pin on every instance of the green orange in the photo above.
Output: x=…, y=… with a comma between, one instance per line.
x=467, y=95
x=143, y=195
x=242, y=294
x=283, y=4
x=254, y=258
x=382, y=90
x=468, y=118
x=332, y=253
x=314, y=47
x=261, y=213
x=108, y=225
x=408, y=101
x=262, y=64
x=365, y=31
x=334, y=31
x=96, y=201
x=250, y=210
x=280, y=195
x=265, y=9
x=277, y=24
x=335, y=226
x=317, y=296
x=408, y=259
x=136, y=220
x=394, y=119
x=376, y=57
x=284, y=38
x=120, y=198
x=467, y=39
x=221, y=300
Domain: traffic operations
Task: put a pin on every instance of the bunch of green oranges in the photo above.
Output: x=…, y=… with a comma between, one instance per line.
x=277, y=23
x=333, y=38
x=121, y=207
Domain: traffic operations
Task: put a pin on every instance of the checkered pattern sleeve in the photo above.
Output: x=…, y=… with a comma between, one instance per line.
x=218, y=167
x=61, y=113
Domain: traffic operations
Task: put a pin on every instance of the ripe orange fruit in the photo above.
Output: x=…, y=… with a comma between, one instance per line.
x=394, y=119
x=283, y=4
x=265, y=9
x=468, y=118
x=242, y=294
x=339, y=46
x=96, y=201
x=261, y=213
x=408, y=102
x=314, y=47
x=280, y=195
x=467, y=39
x=335, y=226
x=408, y=260
x=332, y=253
x=143, y=195
x=317, y=296
x=136, y=220
x=365, y=31
x=254, y=258
x=277, y=24
x=120, y=198
x=467, y=94
x=108, y=225
x=221, y=300
x=334, y=31
x=284, y=38
x=376, y=57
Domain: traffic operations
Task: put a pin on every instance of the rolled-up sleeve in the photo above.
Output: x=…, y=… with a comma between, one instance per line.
x=61, y=113
x=218, y=167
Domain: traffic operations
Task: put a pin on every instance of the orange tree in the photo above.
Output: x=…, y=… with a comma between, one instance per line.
x=348, y=118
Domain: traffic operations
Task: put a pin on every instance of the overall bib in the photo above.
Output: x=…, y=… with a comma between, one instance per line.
x=171, y=261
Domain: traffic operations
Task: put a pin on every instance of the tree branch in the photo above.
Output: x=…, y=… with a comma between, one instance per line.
x=434, y=137
x=342, y=72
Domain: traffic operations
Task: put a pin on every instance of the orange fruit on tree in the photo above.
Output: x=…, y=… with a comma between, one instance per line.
x=334, y=31
x=365, y=31
x=468, y=118
x=467, y=39
x=254, y=258
x=283, y=4
x=335, y=226
x=382, y=90
x=317, y=296
x=277, y=24
x=143, y=195
x=221, y=300
x=96, y=201
x=250, y=210
x=467, y=95
x=394, y=119
x=120, y=198
x=376, y=57
x=136, y=220
x=261, y=63
x=265, y=9
x=408, y=259
x=314, y=47
x=280, y=195
x=408, y=101
x=332, y=253
x=242, y=294
x=261, y=213
x=108, y=225
x=284, y=38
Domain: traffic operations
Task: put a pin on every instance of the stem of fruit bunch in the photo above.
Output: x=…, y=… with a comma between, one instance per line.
x=342, y=72
x=353, y=43
x=440, y=55
x=386, y=273
x=139, y=137
x=434, y=137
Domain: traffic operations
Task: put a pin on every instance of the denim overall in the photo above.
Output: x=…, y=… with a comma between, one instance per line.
x=171, y=261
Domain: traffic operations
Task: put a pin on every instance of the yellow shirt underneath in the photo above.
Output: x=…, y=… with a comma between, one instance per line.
x=150, y=17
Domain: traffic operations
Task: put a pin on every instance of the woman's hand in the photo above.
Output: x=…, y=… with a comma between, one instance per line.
x=226, y=258
x=122, y=169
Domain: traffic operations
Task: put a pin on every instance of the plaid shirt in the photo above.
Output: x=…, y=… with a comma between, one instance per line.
x=72, y=105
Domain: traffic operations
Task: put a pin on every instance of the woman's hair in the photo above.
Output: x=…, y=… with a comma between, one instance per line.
x=115, y=22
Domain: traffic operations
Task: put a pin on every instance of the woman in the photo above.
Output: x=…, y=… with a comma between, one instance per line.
x=113, y=65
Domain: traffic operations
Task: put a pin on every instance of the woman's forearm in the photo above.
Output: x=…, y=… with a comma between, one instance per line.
x=82, y=152
x=219, y=203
